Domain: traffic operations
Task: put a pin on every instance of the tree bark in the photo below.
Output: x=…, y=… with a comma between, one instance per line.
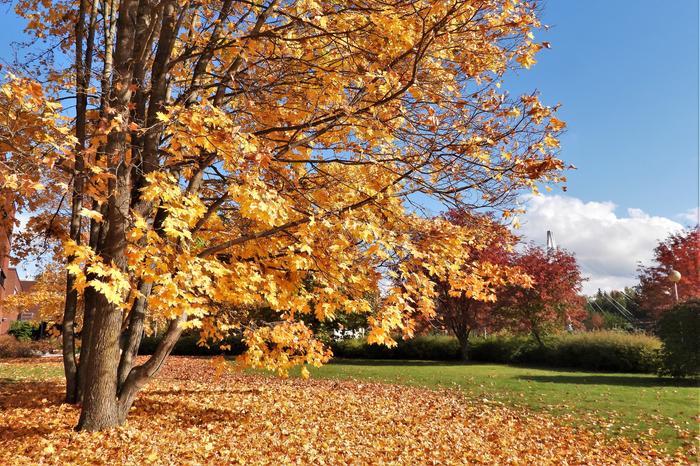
x=71, y=305
x=536, y=334
x=100, y=407
x=132, y=340
x=139, y=375
x=464, y=347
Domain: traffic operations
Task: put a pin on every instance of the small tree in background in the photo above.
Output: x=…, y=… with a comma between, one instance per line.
x=458, y=311
x=678, y=329
x=553, y=300
x=677, y=252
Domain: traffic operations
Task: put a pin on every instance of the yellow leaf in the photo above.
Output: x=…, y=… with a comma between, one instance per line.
x=92, y=214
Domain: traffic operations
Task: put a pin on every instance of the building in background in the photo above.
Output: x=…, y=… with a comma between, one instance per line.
x=10, y=282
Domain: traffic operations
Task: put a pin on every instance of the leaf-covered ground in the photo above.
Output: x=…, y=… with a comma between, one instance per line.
x=186, y=416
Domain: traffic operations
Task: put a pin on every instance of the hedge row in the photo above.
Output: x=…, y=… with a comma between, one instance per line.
x=602, y=351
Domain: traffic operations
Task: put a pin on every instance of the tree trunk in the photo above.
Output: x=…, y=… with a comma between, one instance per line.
x=463, y=338
x=536, y=335
x=89, y=303
x=70, y=367
x=464, y=349
x=100, y=407
x=100, y=384
x=140, y=375
x=71, y=305
x=132, y=338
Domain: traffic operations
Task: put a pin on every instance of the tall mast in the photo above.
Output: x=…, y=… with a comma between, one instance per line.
x=551, y=243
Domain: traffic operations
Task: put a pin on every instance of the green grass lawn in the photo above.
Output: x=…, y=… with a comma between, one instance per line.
x=30, y=369
x=620, y=404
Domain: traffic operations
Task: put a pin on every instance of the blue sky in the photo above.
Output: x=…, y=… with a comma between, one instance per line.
x=626, y=74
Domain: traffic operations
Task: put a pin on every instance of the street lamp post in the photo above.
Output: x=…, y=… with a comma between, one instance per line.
x=675, y=276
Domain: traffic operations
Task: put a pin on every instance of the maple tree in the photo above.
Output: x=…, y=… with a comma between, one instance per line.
x=463, y=313
x=554, y=298
x=217, y=153
x=680, y=252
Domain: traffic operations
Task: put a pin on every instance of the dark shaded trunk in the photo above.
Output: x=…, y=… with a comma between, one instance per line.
x=70, y=367
x=463, y=339
x=537, y=337
x=464, y=349
x=89, y=303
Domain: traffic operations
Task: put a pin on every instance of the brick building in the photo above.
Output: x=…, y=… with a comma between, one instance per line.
x=10, y=282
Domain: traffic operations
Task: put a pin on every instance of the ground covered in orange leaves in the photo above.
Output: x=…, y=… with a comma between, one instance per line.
x=187, y=416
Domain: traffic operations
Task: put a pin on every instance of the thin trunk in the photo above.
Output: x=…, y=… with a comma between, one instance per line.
x=137, y=318
x=70, y=367
x=89, y=303
x=462, y=334
x=97, y=229
x=110, y=32
x=71, y=304
x=139, y=375
x=538, y=338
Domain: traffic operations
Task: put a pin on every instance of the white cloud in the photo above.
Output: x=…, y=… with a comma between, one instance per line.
x=691, y=216
x=607, y=246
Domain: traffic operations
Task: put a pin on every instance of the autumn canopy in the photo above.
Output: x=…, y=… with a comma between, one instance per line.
x=210, y=157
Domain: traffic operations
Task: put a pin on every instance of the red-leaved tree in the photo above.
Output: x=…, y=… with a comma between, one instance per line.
x=460, y=312
x=554, y=299
x=681, y=252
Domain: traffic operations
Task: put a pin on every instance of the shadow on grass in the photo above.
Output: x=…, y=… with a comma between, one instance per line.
x=607, y=379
